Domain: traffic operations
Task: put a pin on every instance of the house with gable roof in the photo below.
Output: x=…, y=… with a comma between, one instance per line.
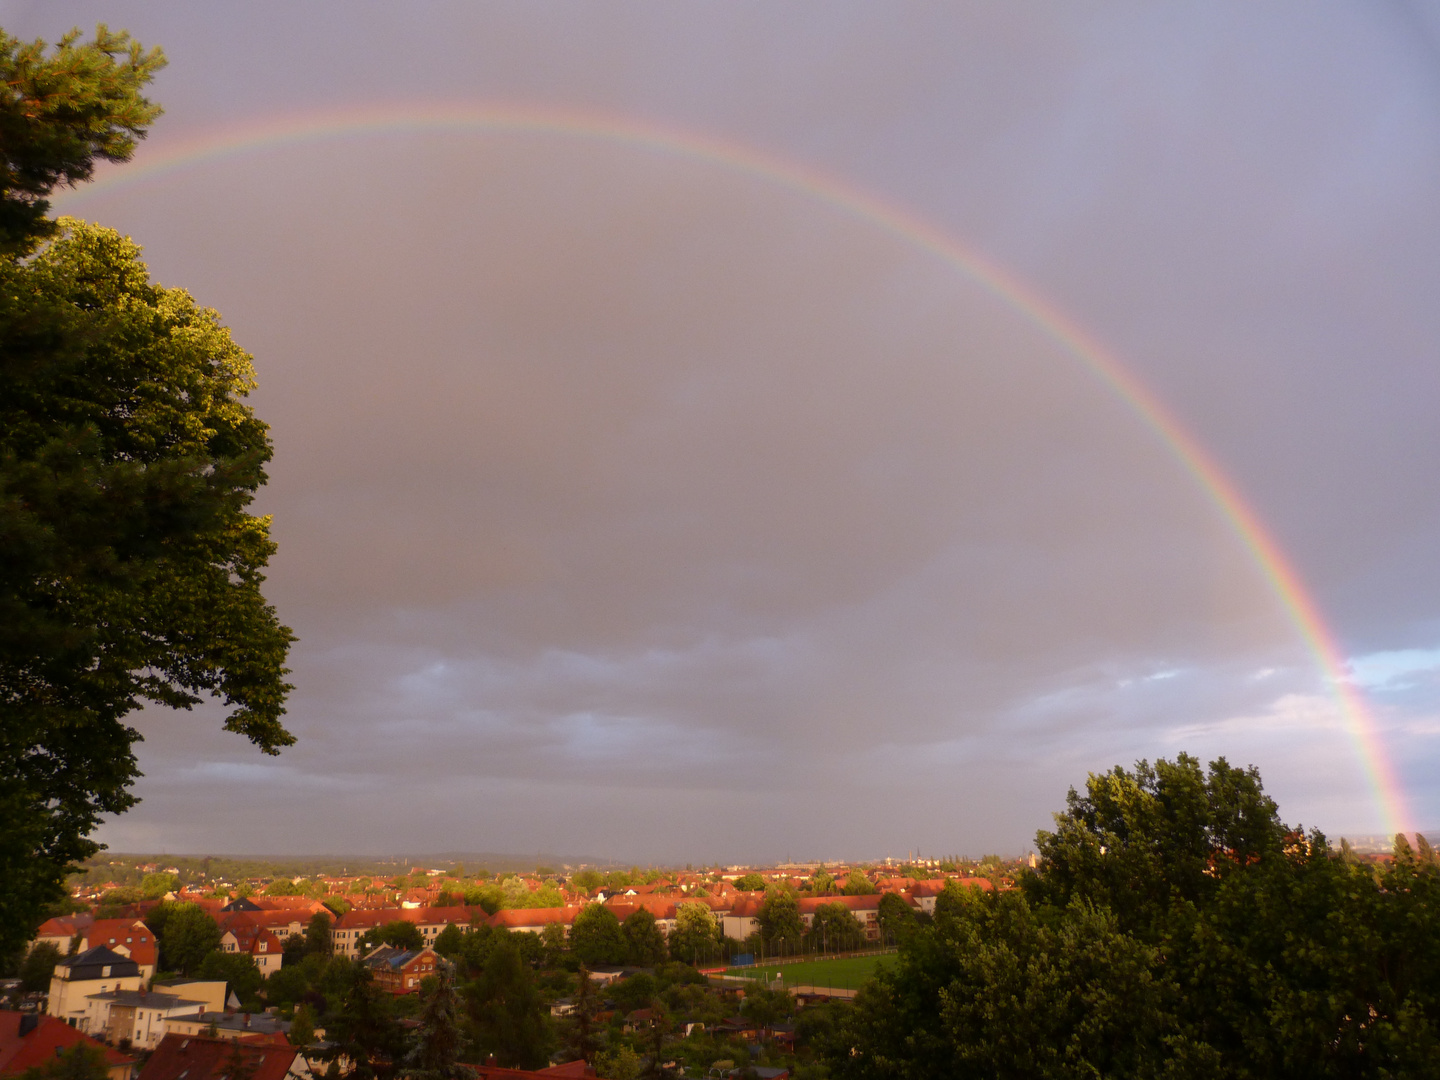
x=400, y=970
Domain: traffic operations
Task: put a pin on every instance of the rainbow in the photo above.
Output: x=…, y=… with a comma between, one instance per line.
x=273, y=133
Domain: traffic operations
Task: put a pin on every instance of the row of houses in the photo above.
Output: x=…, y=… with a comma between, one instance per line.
x=735, y=913
x=260, y=931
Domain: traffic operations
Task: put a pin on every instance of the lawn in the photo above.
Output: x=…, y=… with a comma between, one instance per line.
x=848, y=972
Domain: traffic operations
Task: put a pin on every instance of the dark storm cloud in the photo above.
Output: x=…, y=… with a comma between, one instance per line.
x=615, y=487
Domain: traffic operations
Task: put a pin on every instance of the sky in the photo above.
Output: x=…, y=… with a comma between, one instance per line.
x=659, y=477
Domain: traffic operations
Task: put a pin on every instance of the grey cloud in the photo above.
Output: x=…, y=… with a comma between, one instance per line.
x=613, y=484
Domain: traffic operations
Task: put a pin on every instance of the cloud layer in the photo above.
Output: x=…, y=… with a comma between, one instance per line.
x=635, y=506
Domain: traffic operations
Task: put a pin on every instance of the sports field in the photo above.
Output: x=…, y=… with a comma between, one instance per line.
x=849, y=972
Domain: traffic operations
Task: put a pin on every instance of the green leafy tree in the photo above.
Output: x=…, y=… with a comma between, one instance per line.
x=596, y=937
x=130, y=570
x=507, y=1011
x=154, y=886
x=553, y=944
x=621, y=1063
x=38, y=967
x=302, y=1028
x=766, y=1006
x=695, y=938
x=449, y=942
x=587, y=880
x=895, y=915
x=781, y=927
x=236, y=970
x=821, y=884
x=857, y=884
x=188, y=937
x=1258, y=952
x=401, y=934
x=318, y=940
x=751, y=882
x=292, y=952
x=480, y=941
x=834, y=927
x=644, y=941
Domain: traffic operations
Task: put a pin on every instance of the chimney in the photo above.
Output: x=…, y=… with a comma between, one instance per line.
x=29, y=1022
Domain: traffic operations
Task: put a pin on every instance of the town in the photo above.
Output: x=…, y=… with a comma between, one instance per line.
x=576, y=971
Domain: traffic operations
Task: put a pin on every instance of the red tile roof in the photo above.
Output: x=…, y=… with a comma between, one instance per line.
x=494, y=1072
x=365, y=919
x=198, y=1058
x=513, y=917
x=132, y=935
x=36, y=1047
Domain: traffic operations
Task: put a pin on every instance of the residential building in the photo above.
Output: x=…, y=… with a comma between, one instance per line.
x=260, y=944
x=229, y=1024
x=133, y=1017
x=212, y=993
x=128, y=937
x=866, y=910
x=93, y=971
x=350, y=928
x=533, y=920
x=400, y=970
x=742, y=919
x=62, y=930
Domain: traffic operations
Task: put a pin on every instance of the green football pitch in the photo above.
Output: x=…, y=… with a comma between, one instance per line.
x=849, y=972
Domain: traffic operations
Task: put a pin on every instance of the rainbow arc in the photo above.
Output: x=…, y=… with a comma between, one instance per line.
x=272, y=133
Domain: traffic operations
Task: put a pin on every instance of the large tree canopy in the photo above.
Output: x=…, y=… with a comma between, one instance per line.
x=130, y=569
x=1175, y=928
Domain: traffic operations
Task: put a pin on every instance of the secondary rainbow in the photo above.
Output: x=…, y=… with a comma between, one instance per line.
x=498, y=118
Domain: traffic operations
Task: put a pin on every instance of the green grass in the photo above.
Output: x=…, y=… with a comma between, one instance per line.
x=849, y=972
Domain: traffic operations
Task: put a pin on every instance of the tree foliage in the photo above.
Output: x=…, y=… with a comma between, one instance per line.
x=436, y=1045
x=695, y=938
x=507, y=1011
x=401, y=934
x=596, y=937
x=781, y=927
x=237, y=970
x=857, y=884
x=834, y=926
x=644, y=941
x=1175, y=928
x=130, y=570
x=62, y=109
x=187, y=936
x=364, y=1030
x=38, y=967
